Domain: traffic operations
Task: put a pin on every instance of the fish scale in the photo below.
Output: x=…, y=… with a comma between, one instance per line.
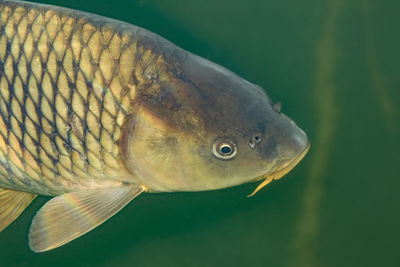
x=66, y=91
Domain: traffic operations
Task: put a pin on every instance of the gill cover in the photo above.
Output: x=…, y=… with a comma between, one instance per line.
x=152, y=150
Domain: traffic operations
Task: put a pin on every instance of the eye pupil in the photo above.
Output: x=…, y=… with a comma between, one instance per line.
x=226, y=149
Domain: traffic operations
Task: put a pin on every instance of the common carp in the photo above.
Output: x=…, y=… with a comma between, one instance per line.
x=95, y=111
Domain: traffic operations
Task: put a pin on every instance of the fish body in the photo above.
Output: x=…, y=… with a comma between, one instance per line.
x=96, y=111
x=67, y=84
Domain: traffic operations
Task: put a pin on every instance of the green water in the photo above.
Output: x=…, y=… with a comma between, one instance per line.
x=334, y=64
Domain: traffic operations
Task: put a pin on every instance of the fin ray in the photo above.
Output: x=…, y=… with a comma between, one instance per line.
x=12, y=204
x=71, y=215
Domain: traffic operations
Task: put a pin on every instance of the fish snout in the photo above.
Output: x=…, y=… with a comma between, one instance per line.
x=292, y=145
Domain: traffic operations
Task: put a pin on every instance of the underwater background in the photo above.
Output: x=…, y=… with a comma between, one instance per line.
x=334, y=65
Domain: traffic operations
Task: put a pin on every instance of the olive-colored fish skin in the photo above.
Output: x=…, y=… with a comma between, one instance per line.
x=203, y=103
x=95, y=111
x=90, y=102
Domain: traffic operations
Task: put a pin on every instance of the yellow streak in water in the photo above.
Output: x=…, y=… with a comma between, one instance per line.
x=376, y=75
x=324, y=89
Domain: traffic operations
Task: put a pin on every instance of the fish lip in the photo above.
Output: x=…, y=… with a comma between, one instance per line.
x=279, y=173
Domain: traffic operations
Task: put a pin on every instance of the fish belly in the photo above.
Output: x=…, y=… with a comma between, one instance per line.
x=66, y=90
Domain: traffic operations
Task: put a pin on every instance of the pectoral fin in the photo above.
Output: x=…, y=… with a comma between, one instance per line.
x=71, y=215
x=12, y=204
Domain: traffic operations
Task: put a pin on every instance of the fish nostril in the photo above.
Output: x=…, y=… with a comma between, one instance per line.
x=255, y=140
x=252, y=144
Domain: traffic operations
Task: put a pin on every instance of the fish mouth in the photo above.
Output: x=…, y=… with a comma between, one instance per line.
x=276, y=175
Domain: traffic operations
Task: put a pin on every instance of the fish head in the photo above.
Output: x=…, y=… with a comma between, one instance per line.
x=209, y=129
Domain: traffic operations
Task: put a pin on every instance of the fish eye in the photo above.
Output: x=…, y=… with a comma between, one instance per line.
x=225, y=149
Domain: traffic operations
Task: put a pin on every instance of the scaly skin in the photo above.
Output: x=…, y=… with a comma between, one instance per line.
x=67, y=81
x=88, y=102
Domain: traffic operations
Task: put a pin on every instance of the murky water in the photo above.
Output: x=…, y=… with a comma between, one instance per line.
x=334, y=64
